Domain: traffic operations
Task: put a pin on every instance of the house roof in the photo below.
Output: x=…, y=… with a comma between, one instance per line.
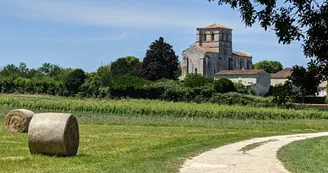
x=285, y=73
x=239, y=72
x=215, y=26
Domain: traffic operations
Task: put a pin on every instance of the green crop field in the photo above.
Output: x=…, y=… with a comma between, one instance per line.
x=137, y=135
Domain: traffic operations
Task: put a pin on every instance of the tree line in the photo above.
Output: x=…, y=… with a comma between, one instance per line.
x=155, y=77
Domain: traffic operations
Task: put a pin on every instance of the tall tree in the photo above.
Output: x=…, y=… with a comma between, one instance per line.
x=306, y=80
x=160, y=61
x=74, y=80
x=124, y=65
x=304, y=20
x=269, y=66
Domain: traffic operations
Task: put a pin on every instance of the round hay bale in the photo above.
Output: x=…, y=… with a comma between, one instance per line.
x=18, y=120
x=53, y=134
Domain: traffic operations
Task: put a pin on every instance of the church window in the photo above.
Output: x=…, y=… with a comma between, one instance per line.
x=230, y=64
x=195, y=70
x=214, y=71
x=212, y=35
x=204, y=36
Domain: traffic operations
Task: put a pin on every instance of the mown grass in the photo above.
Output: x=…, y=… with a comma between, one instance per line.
x=309, y=155
x=140, y=143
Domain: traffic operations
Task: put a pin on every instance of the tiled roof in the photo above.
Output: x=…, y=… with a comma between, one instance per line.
x=241, y=53
x=216, y=50
x=285, y=73
x=208, y=49
x=214, y=26
x=240, y=72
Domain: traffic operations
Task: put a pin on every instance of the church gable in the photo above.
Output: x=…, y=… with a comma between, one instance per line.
x=194, y=49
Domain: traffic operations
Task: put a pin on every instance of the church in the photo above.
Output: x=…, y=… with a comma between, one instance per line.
x=212, y=52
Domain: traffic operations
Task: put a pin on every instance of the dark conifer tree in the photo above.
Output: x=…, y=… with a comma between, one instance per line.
x=160, y=61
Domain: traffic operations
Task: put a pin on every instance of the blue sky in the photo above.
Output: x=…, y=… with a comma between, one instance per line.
x=86, y=33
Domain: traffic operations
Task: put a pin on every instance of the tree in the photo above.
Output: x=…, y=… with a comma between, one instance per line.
x=10, y=71
x=160, y=61
x=269, y=66
x=292, y=20
x=74, y=80
x=196, y=80
x=105, y=74
x=124, y=65
x=305, y=80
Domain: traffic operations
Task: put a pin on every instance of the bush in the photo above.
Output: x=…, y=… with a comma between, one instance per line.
x=130, y=86
x=224, y=85
x=240, y=87
x=196, y=80
x=282, y=94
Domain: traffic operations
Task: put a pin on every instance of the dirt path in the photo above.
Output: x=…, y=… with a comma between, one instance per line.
x=256, y=155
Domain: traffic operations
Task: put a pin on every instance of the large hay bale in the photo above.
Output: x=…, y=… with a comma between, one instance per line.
x=18, y=120
x=53, y=134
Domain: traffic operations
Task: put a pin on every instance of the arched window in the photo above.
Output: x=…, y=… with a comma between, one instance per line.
x=227, y=37
x=204, y=36
x=212, y=36
x=195, y=70
x=214, y=71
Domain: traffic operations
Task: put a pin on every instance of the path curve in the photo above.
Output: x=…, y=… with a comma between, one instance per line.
x=229, y=158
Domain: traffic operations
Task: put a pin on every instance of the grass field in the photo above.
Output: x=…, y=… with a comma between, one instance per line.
x=140, y=143
x=306, y=156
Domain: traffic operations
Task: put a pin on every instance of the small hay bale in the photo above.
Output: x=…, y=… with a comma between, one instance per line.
x=53, y=134
x=18, y=120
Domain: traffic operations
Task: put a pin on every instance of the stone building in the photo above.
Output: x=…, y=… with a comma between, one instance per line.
x=212, y=52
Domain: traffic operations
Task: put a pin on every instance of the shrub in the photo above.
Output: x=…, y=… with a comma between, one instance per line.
x=129, y=86
x=196, y=80
x=224, y=85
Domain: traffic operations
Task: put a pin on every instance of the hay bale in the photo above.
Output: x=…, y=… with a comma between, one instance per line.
x=18, y=120
x=53, y=134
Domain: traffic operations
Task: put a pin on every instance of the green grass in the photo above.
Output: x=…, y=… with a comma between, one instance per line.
x=309, y=155
x=133, y=141
x=113, y=143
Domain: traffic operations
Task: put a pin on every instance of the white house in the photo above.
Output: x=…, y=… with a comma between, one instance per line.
x=258, y=80
x=281, y=76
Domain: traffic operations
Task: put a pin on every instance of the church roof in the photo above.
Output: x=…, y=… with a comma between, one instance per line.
x=240, y=72
x=215, y=26
x=216, y=50
x=208, y=49
x=285, y=73
x=241, y=53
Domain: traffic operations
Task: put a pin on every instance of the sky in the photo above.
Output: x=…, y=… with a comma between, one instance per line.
x=87, y=33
